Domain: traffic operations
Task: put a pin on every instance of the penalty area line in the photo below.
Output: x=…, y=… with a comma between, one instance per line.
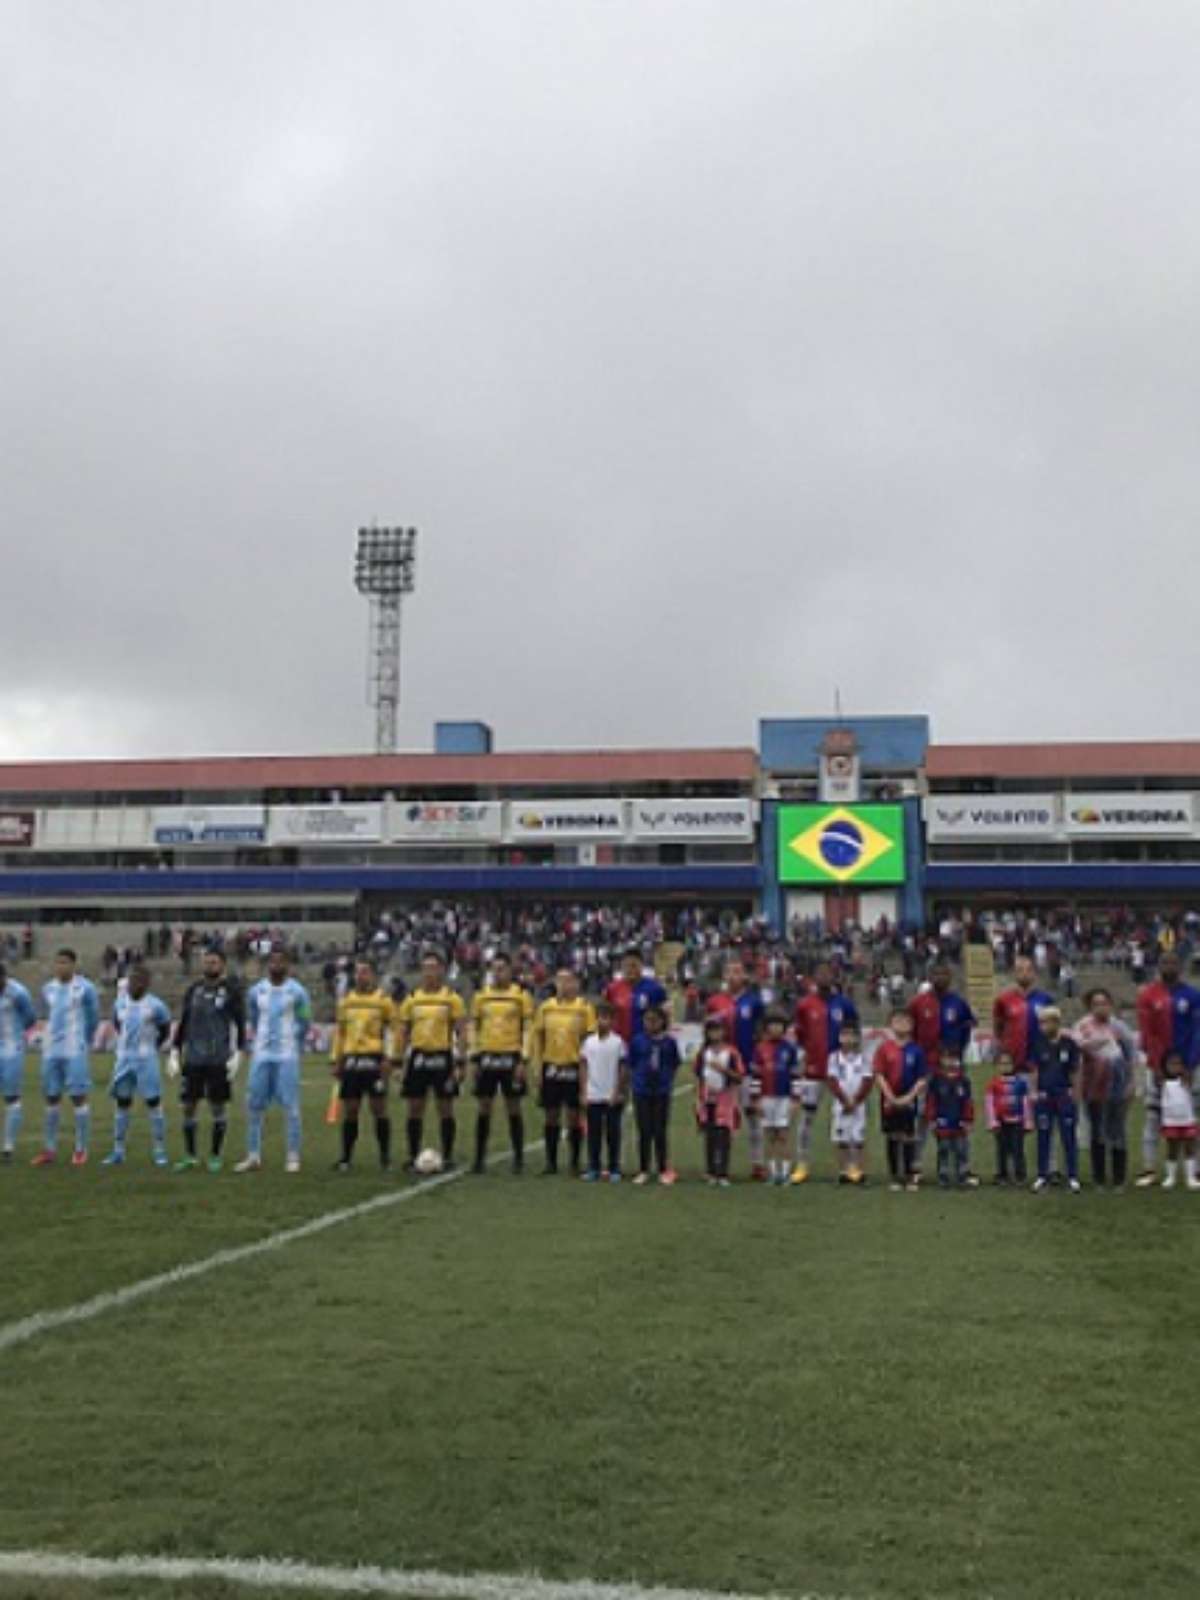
x=53, y=1566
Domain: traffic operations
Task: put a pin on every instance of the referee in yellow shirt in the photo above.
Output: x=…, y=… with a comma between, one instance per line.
x=501, y=1021
x=560, y=1027
x=366, y=1017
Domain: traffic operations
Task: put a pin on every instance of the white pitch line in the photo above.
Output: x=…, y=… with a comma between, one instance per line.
x=298, y=1575
x=15, y=1333
x=32, y=1327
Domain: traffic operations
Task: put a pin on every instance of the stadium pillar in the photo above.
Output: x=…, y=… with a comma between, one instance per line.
x=772, y=894
x=912, y=903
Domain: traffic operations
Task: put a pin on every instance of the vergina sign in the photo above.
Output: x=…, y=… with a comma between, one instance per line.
x=841, y=844
x=1129, y=816
x=1001, y=816
x=543, y=821
x=692, y=819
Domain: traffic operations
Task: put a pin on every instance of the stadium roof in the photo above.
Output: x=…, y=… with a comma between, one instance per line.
x=563, y=769
x=1079, y=759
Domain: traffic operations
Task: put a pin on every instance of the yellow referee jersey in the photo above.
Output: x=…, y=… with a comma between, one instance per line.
x=502, y=1019
x=363, y=1024
x=428, y=1018
x=561, y=1028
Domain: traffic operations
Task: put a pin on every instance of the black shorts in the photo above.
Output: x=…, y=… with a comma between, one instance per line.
x=362, y=1077
x=899, y=1124
x=429, y=1072
x=560, y=1087
x=206, y=1083
x=498, y=1075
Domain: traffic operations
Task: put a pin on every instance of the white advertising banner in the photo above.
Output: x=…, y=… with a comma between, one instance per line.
x=447, y=821
x=541, y=821
x=357, y=823
x=691, y=819
x=201, y=825
x=991, y=816
x=1129, y=816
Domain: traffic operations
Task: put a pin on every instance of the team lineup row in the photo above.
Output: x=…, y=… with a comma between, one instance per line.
x=755, y=1067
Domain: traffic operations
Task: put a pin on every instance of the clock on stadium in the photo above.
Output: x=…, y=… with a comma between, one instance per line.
x=841, y=844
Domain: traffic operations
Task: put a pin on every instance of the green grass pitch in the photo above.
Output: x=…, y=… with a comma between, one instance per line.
x=815, y=1391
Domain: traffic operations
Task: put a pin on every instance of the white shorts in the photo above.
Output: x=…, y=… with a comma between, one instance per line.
x=810, y=1093
x=775, y=1110
x=849, y=1127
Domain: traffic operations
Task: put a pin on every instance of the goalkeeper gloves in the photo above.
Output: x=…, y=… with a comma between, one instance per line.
x=174, y=1065
x=233, y=1065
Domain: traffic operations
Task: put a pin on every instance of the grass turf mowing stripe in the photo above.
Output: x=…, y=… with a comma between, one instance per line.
x=32, y=1327
x=299, y=1576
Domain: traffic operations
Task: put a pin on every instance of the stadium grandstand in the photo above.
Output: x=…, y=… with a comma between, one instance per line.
x=859, y=822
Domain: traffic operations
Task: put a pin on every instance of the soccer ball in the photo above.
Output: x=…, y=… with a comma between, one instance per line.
x=429, y=1162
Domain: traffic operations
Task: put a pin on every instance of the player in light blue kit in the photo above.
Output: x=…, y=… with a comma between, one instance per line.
x=143, y=1025
x=278, y=1012
x=17, y=1016
x=72, y=1011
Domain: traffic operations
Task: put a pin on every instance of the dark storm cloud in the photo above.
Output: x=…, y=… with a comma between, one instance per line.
x=723, y=353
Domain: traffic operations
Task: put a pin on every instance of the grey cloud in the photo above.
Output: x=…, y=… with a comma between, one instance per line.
x=722, y=353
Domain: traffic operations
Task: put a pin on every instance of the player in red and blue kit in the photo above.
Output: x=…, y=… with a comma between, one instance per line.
x=740, y=1006
x=942, y=1020
x=631, y=996
x=1168, y=1013
x=1015, y=1014
x=902, y=1072
x=820, y=1016
x=775, y=1073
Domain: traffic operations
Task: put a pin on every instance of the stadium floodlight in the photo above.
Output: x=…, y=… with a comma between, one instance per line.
x=385, y=568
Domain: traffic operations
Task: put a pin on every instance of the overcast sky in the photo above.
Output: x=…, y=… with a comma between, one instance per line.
x=723, y=351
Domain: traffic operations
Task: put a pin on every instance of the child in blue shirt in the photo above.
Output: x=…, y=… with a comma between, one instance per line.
x=653, y=1063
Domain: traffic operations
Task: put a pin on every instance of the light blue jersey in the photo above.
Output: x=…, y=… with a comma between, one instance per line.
x=72, y=1013
x=278, y=1015
x=141, y=1026
x=17, y=1016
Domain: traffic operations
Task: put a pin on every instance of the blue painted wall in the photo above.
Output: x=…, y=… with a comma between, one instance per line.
x=1062, y=877
x=743, y=881
x=462, y=739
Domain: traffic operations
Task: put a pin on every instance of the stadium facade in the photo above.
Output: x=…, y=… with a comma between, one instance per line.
x=849, y=819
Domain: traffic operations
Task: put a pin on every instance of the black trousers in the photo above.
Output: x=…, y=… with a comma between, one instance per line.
x=1010, y=1151
x=653, y=1114
x=717, y=1142
x=604, y=1125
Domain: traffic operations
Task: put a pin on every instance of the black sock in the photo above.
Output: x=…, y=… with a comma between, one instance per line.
x=413, y=1129
x=218, y=1135
x=1120, y=1164
x=189, y=1135
x=449, y=1129
x=483, y=1127
x=383, y=1137
x=550, y=1135
x=893, y=1158
x=575, y=1145
x=516, y=1133
x=349, y=1138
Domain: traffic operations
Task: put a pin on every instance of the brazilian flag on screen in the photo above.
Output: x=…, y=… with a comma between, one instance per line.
x=841, y=844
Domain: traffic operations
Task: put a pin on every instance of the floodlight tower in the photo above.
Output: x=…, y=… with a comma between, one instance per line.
x=385, y=564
